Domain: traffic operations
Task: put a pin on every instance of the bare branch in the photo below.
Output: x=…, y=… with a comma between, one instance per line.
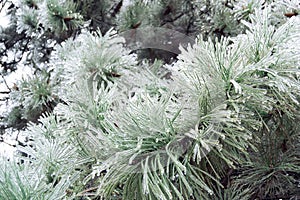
x=5, y=83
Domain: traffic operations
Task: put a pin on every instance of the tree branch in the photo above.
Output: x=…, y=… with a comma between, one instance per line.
x=83, y=193
x=3, y=141
x=3, y=5
x=5, y=83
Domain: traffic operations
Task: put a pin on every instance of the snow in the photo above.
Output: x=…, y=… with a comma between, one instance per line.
x=6, y=148
x=22, y=71
x=4, y=19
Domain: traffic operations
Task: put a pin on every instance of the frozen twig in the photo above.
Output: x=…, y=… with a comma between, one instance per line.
x=5, y=83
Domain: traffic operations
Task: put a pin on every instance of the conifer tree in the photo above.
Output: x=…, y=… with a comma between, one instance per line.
x=103, y=121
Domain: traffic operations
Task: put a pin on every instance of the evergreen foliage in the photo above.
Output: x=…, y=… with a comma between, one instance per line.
x=218, y=121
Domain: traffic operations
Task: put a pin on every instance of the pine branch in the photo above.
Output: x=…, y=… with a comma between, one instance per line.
x=83, y=193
